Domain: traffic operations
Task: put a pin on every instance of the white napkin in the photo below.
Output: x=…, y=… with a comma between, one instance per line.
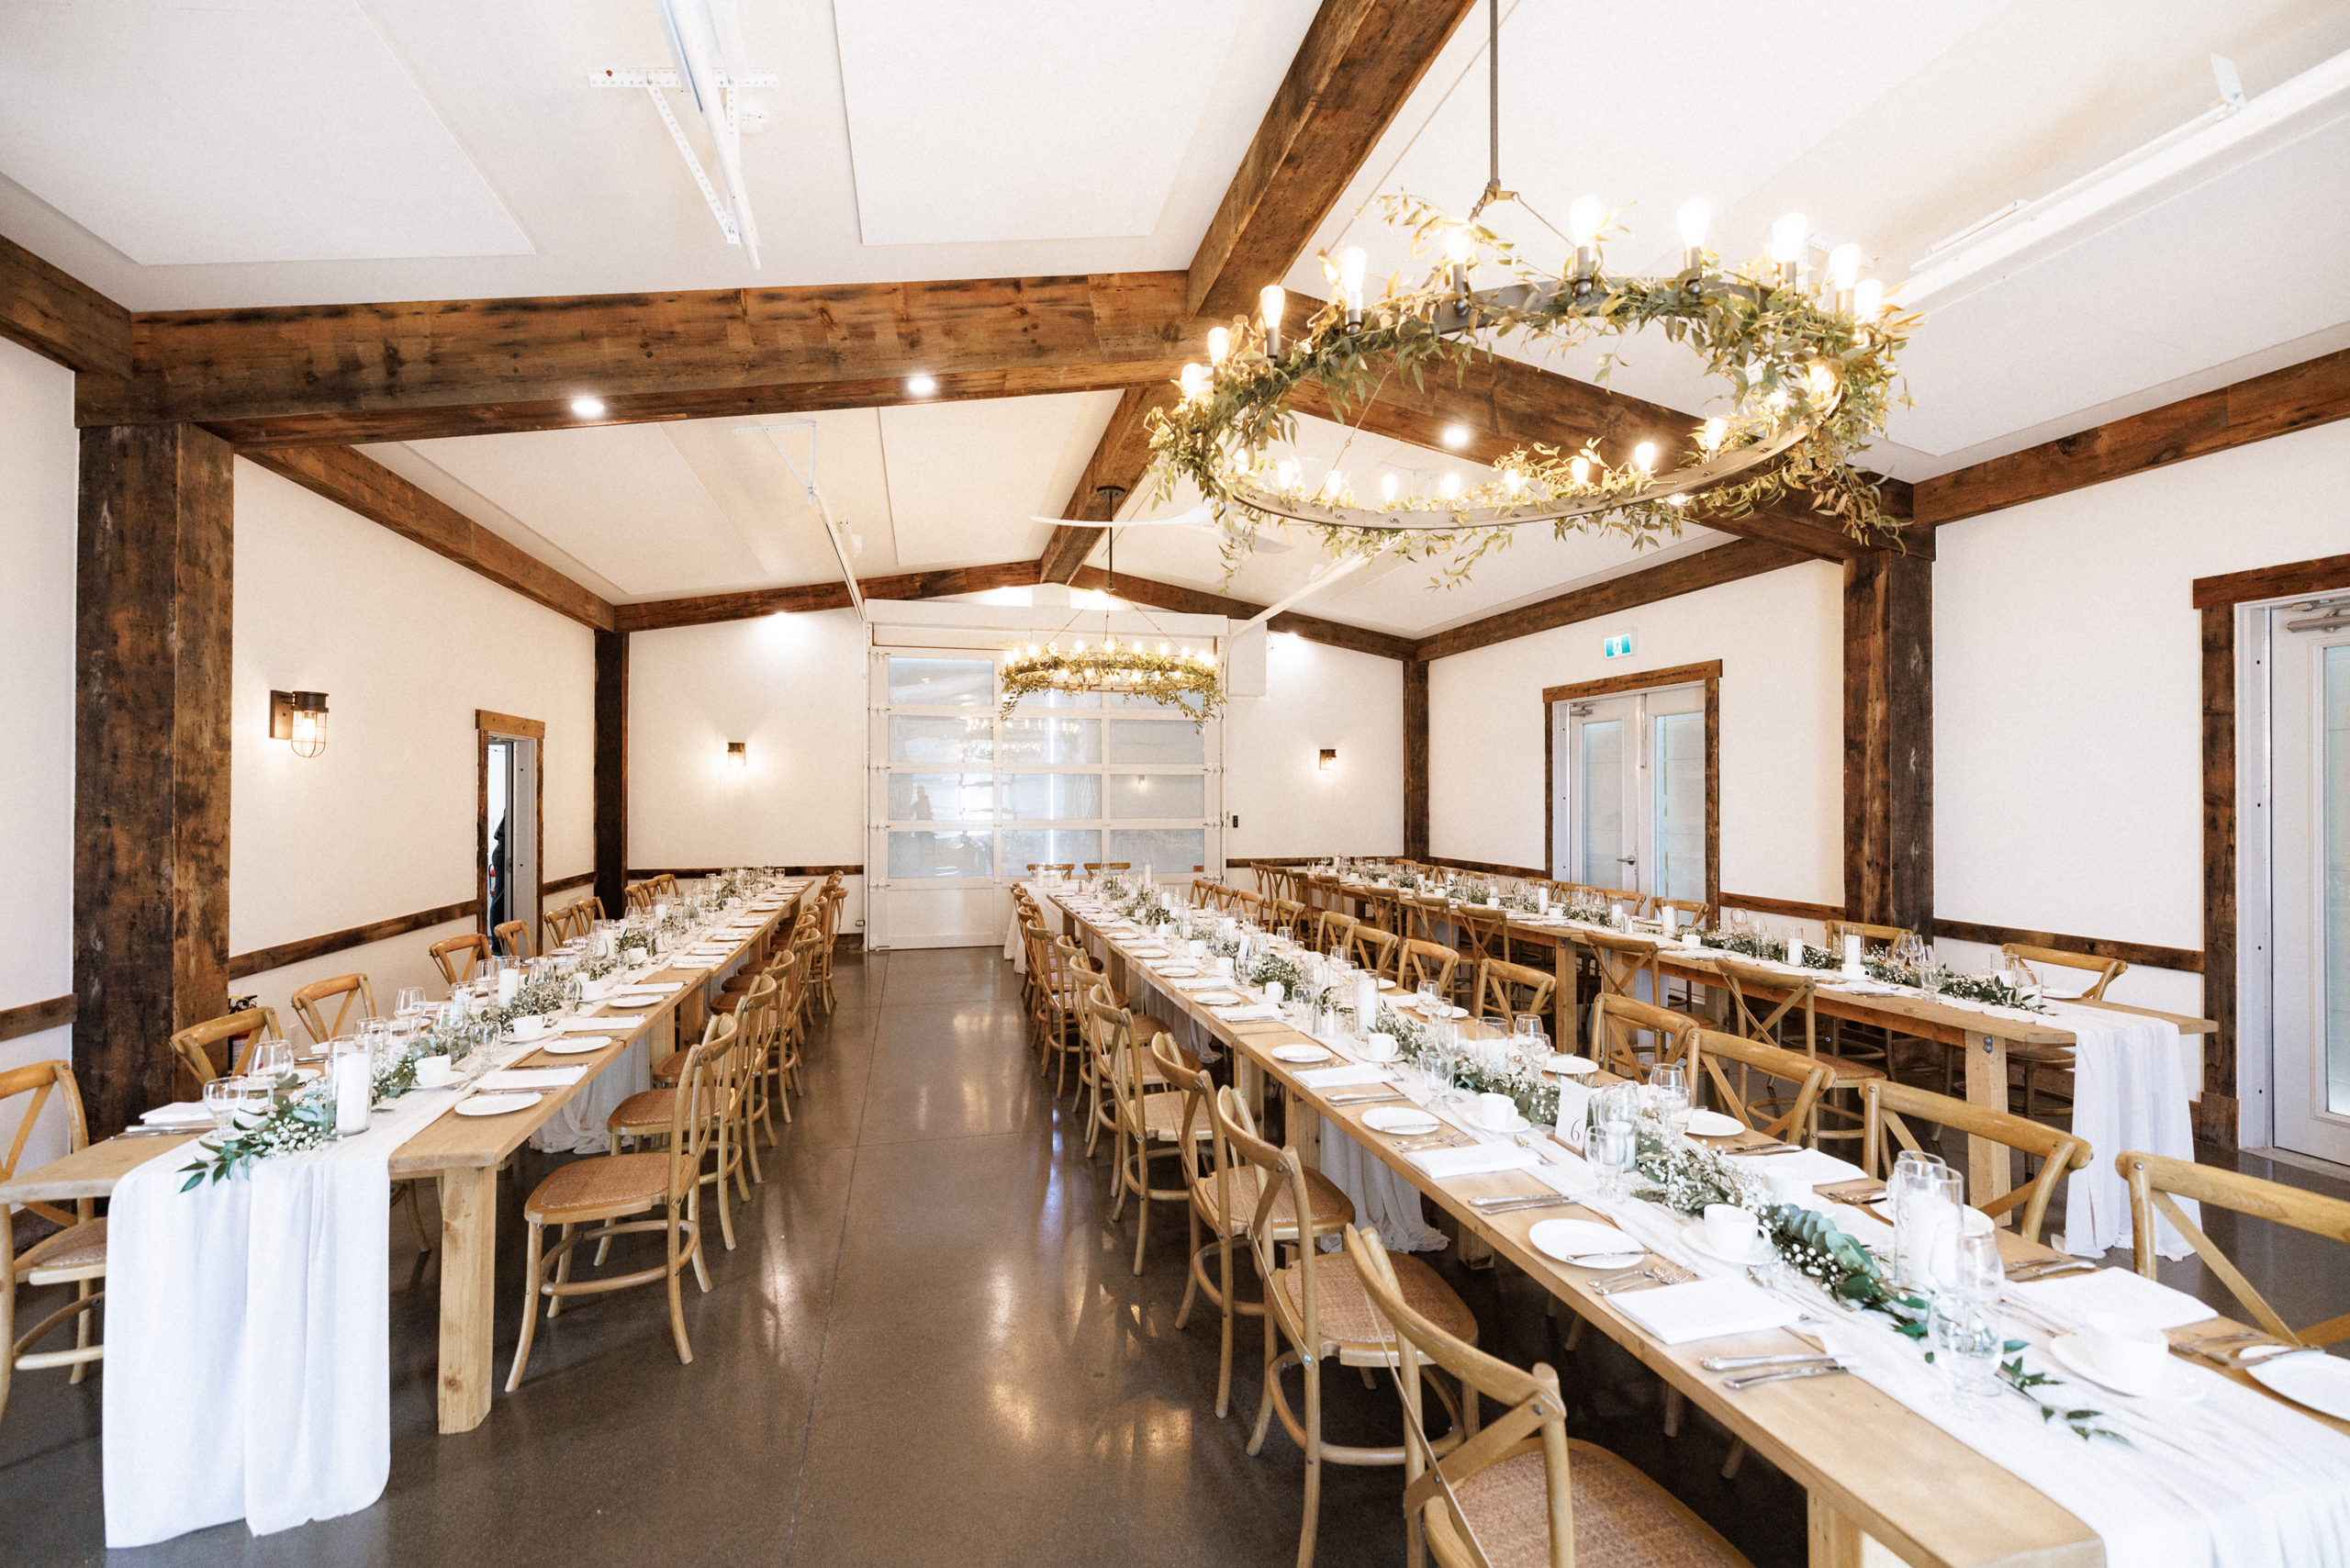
x=2147, y=1302
x=1567, y=1172
x=584, y=1038
x=1204, y=982
x=530, y=1077
x=1705, y=1309
x=598, y=1025
x=1252, y=1012
x=181, y=1114
x=1444, y=1164
x=1809, y=1165
x=1341, y=1076
x=647, y=989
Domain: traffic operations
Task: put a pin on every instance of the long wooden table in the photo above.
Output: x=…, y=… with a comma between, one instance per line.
x=1984, y=1037
x=1880, y=1479
x=462, y=1154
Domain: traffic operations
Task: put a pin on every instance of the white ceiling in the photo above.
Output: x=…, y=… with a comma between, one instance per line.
x=317, y=150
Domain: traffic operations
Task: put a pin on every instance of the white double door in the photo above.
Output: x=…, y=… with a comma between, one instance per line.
x=2310, y=886
x=1627, y=777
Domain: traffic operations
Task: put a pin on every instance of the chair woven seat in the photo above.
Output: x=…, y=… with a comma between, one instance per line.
x=594, y=1188
x=1333, y=1210
x=647, y=1111
x=1344, y=1313
x=1842, y=1070
x=1623, y=1519
x=669, y=1067
x=1162, y=1118
x=75, y=1246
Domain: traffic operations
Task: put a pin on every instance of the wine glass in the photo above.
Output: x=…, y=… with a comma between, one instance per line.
x=271, y=1060
x=1976, y=1270
x=1966, y=1348
x=220, y=1098
x=411, y=999
x=1613, y=1152
x=1669, y=1085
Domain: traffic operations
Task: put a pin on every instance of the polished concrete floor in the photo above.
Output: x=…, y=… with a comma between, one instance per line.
x=928, y=1346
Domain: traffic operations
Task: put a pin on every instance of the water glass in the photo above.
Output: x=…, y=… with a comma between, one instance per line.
x=1966, y=1340
x=1976, y=1270
x=271, y=1060
x=1927, y=1206
x=220, y=1098
x=1669, y=1086
x=1613, y=1152
x=411, y=1000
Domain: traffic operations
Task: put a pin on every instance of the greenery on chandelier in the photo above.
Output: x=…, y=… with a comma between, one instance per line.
x=1806, y=370
x=1180, y=678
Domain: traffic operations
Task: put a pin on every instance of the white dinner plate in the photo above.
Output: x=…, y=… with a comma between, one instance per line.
x=1146, y=952
x=1570, y=1067
x=1218, y=998
x=1403, y=1120
x=2321, y=1381
x=576, y=1046
x=1300, y=1053
x=1585, y=1243
x=497, y=1105
x=1713, y=1123
x=1692, y=1235
x=2175, y=1382
x=1176, y=971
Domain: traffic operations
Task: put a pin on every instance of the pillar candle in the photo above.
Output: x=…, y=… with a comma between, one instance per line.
x=1794, y=951
x=1851, y=952
x=509, y=981
x=354, y=1089
x=1367, y=1001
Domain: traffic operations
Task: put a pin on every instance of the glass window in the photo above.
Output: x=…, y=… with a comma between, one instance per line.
x=942, y=853
x=1031, y=846
x=1061, y=700
x=942, y=797
x=1163, y=850
x=1041, y=739
x=938, y=739
x=2333, y=804
x=1052, y=797
x=1143, y=740
x=1680, y=806
x=1157, y=795
x=941, y=683
x=1602, y=809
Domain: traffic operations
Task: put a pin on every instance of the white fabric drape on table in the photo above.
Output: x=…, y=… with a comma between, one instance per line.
x=2129, y=1091
x=577, y=1126
x=1383, y=1200
x=248, y=1338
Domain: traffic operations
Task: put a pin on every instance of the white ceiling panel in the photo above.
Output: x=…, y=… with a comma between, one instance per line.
x=755, y=487
x=236, y=131
x=967, y=480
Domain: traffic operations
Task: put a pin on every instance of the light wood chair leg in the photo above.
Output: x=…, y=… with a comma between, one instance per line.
x=1733, y=1460
x=693, y=1222
x=1142, y=1198
x=81, y=1332
x=1224, y=1354
x=1673, y=1405
x=1312, y=1371
x=1191, y=1272
x=677, y=1296
x=563, y=1265
x=529, y=1306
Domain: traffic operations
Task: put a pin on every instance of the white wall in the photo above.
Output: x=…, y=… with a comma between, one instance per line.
x=406, y=645
x=2068, y=758
x=39, y=471
x=1780, y=638
x=1317, y=695
x=792, y=688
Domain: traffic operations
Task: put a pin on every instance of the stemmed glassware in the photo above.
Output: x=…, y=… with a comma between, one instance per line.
x=1614, y=1150
x=1669, y=1088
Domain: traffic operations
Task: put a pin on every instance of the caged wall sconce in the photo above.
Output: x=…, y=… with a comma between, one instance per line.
x=299, y=717
x=1329, y=759
x=738, y=755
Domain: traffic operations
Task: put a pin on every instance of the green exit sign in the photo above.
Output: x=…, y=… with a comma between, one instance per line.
x=1619, y=646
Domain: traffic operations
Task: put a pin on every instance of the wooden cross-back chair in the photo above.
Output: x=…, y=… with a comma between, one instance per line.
x=1053, y=867
x=1109, y=866
x=1715, y=1053
x=2043, y=1064
x=1251, y=906
x=474, y=947
x=714, y=1106
x=194, y=1046
x=640, y=896
x=1616, y=964
x=2157, y=1182
x=1618, y=1025
x=555, y=927
x=1381, y=952
x=2060, y=1153
x=1428, y=963
x=1318, y=1308
x=1381, y=909
x=1747, y=984
x=1485, y=934
x=1871, y=935
x=1150, y=1116
x=1288, y=917
x=1692, y=912
x=1512, y=991
x=513, y=939
x=345, y=991
x=74, y=1255
x=1057, y=1004
x=1425, y=916
x=1332, y=929
x=1507, y=1493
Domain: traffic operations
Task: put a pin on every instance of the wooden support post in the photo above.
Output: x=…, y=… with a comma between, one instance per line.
x=612, y=772
x=150, y=757
x=1416, y=759
x=1889, y=740
x=468, y=1294
x=2215, y=1113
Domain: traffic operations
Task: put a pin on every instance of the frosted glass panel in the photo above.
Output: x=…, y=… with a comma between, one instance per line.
x=1166, y=850
x=1052, y=797
x=1051, y=741
x=1679, y=771
x=932, y=853
x=938, y=739
x=1060, y=699
x=1601, y=790
x=1141, y=740
x=2335, y=898
x=942, y=797
x=958, y=683
x=1061, y=846
x=1158, y=795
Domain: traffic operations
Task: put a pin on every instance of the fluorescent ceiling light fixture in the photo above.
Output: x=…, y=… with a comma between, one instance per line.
x=920, y=385
x=588, y=407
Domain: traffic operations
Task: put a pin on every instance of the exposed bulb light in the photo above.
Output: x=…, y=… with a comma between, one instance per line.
x=1459, y=243
x=1334, y=484
x=1387, y=488
x=920, y=385
x=1288, y=472
x=1219, y=345
x=1580, y=469
x=1162, y=650
x=1272, y=301
x=1451, y=488
x=1352, y=262
x=588, y=407
x=1787, y=237
x=1843, y=267
x=1455, y=437
x=1195, y=381
x=1584, y=220
x=1868, y=299
x=1513, y=482
x=1821, y=381
x=1695, y=213
x=1710, y=438
x=1644, y=456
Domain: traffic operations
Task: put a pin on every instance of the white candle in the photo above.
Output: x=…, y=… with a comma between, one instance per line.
x=1275, y=991
x=1367, y=1001
x=1851, y=950
x=354, y=1088
x=1541, y=900
x=1671, y=920
x=1794, y=951
x=509, y=981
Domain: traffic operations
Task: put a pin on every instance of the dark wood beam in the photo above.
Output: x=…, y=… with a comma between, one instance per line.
x=706, y=608
x=2144, y=955
x=2217, y=1113
x=150, y=757
x=2314, y=392
x=243, y=966
x=1120, y=459
x=2326, y=573
x=1889, y=741
x=1416, y=759
x=34, y=1017
x=1667, y=580
x=612, y=772
x=1337, y=634
x=60, y=316
x=1164, y=596
x=358, y=482
x=338, y=374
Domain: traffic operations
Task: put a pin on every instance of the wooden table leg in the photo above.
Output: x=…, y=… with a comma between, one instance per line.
x=1836, y=1541
x=1304, y=1128
x=1987, y=1163
x=1248, y=1081
x=1563, y=1027
x=468, y=1294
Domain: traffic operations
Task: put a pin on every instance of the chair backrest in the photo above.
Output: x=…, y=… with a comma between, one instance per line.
x=1428, y=963
x=1740, y=979
x=1809, y=1074
x=40, y=1079
x=193, y=1045
x=591, y=910
x=702, y=1085
x=1884, y=1103
x=1333, y=929
x=1486, y=930
x=1693, y=912
x=1287, y=917
x=1299, y=1318
x=473, y=944
x=2103, y=971
x=556, y=923
x=345, y=991
x=1870, y=935
x=1617, y=1024
x=1620, y=959
x=515, y=938
x=1533, y=1419
x=1213, y=1183
x=1117, y=1053
x=2154, y=1178
x=1379, y=951
x=1511, y=990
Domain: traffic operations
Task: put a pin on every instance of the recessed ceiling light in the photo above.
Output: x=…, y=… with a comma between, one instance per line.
x=588, y=407
x=1456, y=437
x=921, y=385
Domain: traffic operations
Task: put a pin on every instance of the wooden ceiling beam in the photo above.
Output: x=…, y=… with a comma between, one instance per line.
x=1667, y=580
x=706, y=608
x=60, y=316
x=1199, y=601
x=2299, y=397
x=1119, y=460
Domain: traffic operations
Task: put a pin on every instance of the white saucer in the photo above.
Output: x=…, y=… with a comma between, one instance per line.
x=1713, y=1123
x=1570, y=1067
x=1693, y=1234
x=1402, y=1120
x=1518, y=1124
x=2321, y=1381
x=1300, y=1053
x=578, y=1045
x=497, y=1105
x=1176, y=971
x=2071, y=1352
x=1216, y=998
x=1584, y=1242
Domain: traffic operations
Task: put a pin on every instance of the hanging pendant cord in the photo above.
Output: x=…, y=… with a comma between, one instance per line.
x=1492, y=192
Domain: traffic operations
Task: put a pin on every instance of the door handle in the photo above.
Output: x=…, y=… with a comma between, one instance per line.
x=1628, y=859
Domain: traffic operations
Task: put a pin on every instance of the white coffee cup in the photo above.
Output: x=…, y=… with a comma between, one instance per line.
x=1378, y=1047
x=595, y=990
x=1224, y=967
x=529, y=1028
x=1729, y=1230
x=1496, y=1111
x=2127, y=1350
x=1275, y=991
x=1787, y=1187
x=1197, y=948
x=432, y=1072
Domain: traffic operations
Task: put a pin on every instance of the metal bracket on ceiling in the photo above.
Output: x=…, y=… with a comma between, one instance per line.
x=724, y=120
x=833, y=529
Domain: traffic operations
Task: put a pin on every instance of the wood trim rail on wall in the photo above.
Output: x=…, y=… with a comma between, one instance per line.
x=2140, y=954
x=638, y=873
x=32, y=1017
x=264, y=959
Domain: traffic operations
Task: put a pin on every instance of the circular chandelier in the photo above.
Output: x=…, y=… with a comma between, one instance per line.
x=1808, y=365
x=1176, y=677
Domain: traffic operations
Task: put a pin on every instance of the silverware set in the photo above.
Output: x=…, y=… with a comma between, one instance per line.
x=2050, y=1268
x=1821, y=1366
x=1656, y=1271
x=1502, y=1205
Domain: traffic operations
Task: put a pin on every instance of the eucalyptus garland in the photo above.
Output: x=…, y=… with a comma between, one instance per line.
x=1878, y=964
x=298, y=1119
x=1474, y=1069
x=1175, y=678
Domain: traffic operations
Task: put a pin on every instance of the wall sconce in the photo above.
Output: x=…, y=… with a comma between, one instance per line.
x=1329, y=758
x=299, y=717
x=738, y=755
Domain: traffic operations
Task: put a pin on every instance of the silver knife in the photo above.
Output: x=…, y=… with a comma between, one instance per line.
x=1816, y=1368
x=1736, y=1363
x=2049, y=1266
x=1516, y=1203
